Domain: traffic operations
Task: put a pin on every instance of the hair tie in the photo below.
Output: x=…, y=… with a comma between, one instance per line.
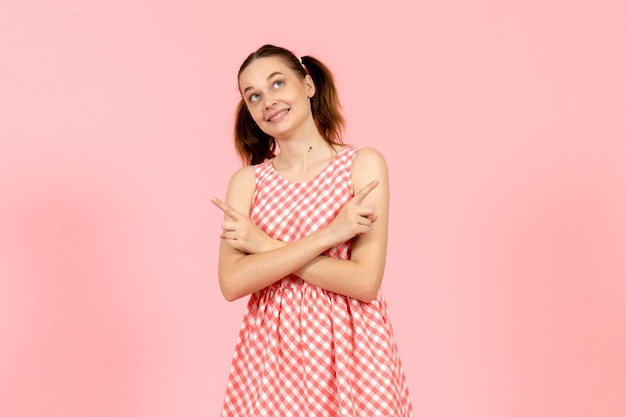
x=302, y=64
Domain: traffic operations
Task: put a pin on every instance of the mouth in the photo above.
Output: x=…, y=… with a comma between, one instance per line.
x=278, y=116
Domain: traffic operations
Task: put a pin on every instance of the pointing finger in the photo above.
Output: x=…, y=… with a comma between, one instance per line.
x=363, y=192
x=228, y=210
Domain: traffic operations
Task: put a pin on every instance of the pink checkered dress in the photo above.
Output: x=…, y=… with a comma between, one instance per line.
x=302, y=350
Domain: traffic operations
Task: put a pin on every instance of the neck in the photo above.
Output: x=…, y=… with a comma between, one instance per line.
x=304, y=152
x=300, y=144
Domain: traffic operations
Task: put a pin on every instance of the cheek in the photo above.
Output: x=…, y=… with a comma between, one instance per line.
x=255, y=113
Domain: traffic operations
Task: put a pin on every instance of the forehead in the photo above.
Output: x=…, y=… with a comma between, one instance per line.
x=260, y=69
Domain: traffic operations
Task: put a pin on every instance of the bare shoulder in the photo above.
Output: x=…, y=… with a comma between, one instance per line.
x=369, y=164
x=241, y=189
x=243, y=176
x=369, y=155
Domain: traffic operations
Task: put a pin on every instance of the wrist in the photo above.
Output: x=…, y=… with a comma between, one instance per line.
x=274, y=244
x=326, y=239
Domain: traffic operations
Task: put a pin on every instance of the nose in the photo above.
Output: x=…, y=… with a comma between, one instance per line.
x=270, y=102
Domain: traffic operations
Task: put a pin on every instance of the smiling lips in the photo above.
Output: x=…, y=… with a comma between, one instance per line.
x=278, y=116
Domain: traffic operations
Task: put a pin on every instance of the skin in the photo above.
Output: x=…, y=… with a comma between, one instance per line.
x=249, y=259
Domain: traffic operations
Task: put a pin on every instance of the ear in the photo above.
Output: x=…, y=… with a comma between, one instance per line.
x=309, y=85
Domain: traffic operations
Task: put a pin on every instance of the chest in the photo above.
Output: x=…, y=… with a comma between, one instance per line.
x=289, y=211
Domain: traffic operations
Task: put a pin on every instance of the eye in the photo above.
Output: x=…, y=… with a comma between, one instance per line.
x=278, y=83
x=254, y=97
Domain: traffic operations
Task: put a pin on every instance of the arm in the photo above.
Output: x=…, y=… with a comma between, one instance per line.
x=359, y=277
x=244, y=269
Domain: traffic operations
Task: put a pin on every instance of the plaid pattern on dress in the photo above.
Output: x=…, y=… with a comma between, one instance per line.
x=302, y=350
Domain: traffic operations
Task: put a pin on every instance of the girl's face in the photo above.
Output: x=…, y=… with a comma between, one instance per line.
x=276, y=96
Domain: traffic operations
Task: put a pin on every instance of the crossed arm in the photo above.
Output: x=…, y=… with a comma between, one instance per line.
x=250, y=260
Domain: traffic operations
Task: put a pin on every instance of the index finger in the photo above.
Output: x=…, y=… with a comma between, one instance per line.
x=363, y=192
x=228, y=210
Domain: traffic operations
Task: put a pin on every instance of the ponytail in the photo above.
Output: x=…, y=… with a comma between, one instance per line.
x=252, y=144
x=325, y=105
x=255, y=146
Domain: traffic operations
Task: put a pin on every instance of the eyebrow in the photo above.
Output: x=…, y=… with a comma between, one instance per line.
x=268, y=78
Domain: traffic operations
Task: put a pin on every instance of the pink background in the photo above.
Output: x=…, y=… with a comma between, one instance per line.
x=504, y=128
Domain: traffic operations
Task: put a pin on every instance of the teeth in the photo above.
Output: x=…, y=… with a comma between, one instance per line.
x=278, y=115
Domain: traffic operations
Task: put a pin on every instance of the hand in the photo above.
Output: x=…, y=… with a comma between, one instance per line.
x=354, y=218
x=241, y=233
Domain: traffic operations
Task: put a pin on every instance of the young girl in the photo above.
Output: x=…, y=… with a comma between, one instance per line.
x=305, y=233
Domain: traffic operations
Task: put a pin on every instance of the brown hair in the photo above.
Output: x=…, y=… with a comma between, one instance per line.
x=252, y=144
